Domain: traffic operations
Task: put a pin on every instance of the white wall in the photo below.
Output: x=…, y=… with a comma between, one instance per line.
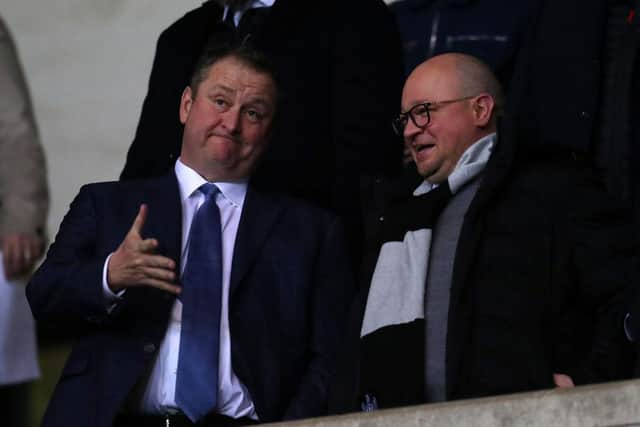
x=87, y=63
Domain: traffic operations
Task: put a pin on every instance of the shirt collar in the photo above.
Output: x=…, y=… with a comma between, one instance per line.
x=189, y=181
x=264, y=3
x=249, y=5
x=478, y=153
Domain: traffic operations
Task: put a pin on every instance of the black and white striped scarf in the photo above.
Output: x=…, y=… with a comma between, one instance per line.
x=392, y=333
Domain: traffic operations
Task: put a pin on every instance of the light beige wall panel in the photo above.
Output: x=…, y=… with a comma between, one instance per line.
x=87, y=63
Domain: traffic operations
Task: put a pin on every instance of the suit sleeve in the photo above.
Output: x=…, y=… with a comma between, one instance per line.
x=68, y=285
x=24, y=197
x=334, y=289
x=605, y=267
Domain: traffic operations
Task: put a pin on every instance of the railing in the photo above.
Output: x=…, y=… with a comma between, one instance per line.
x=605, y=405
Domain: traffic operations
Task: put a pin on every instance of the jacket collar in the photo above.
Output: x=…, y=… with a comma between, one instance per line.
x=259, y=214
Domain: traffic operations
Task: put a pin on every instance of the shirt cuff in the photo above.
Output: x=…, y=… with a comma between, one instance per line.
x=111, y=299
x=627, y=329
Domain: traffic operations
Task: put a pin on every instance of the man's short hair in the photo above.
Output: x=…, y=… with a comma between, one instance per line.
x=243, y=51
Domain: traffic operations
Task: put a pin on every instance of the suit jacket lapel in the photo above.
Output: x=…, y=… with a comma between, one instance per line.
x=259, y=214
x=164, y=221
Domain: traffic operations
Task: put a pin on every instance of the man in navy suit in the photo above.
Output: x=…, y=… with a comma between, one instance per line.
x=285, y=280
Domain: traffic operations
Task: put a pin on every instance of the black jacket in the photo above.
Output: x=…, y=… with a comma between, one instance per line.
x=541, y=271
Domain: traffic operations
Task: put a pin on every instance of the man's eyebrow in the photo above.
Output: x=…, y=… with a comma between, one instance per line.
x=414, y=104
x=421, y=102
x=222, y=88
x=259, y=100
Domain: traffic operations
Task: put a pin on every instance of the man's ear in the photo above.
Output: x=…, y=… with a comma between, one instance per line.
x=483, y=107
x=185, y=104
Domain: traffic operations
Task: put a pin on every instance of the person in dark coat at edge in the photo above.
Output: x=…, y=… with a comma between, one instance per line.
x=506, y=271
x=340, y=64
x=577, y=86
x=198, y=299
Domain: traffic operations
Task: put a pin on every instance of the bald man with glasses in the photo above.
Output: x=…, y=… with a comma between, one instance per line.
x=505, y=270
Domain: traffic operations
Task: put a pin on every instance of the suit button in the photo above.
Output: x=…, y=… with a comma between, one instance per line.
x=149, y=348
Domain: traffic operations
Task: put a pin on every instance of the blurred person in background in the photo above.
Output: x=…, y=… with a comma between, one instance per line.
x=24, y=203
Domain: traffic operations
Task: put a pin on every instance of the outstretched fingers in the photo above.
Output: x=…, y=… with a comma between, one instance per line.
x=135, y=263
x=141, y=218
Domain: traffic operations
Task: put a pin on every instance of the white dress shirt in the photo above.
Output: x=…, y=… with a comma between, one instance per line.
x=159, y=393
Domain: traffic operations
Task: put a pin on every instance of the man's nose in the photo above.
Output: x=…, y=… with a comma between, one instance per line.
x=231, y=120
x=410, y=129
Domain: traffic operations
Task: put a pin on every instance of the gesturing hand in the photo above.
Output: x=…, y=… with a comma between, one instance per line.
x=135, y=264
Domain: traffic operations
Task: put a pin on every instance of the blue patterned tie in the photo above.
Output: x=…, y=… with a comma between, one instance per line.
x=197, y=377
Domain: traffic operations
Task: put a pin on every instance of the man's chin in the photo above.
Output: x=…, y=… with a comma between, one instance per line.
x=425, y=171
x=222, y=139
x=434, y=176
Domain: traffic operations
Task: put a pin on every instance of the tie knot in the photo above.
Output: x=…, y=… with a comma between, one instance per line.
x=209, y=189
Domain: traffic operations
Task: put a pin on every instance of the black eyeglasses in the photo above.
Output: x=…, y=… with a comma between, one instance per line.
x=420, y=114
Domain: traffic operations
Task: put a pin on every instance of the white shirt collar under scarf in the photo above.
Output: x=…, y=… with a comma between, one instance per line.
x=470, y=164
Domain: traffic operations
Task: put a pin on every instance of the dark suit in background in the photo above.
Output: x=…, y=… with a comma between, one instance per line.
x=340, y=70
x=578, y=87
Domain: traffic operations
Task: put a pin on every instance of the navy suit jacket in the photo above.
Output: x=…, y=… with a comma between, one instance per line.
x=290, y=286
